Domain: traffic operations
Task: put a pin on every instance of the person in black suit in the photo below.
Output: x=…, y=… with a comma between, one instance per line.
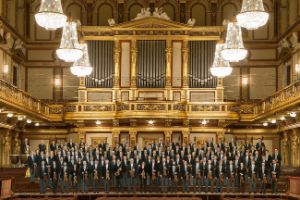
x=263, y=176
x=143, y=177
x=107, y=176
x=74, y=170
x=43, y=176
x=242, y=173
x=231, y=176
x=84, y=176
x=132, y=175
x=253, y=175
x=185, y=176
x=274, y=176
x=54, y=174
x=42, y=147
x=276, y=156
x=118, y=174
x=95, y=176
x=32, y=164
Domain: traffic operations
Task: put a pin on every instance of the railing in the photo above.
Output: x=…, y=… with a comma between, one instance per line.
x=22, y=101
x=286, y=97
x=19, y=99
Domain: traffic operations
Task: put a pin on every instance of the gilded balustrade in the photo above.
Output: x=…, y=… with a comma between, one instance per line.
x=20, y=100
x=23, y=102
x=283, y=99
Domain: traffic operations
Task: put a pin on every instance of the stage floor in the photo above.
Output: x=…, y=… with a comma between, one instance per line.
x=154, y=196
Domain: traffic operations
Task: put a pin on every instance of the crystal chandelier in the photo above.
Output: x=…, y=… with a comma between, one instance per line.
x=50, y=15
x=69, y=49
x=234, y=50
x=252, y=15
x=220, y=67
x=82, y=67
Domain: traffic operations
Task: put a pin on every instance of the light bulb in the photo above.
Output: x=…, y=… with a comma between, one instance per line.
x=10, y=115
x=293, y=114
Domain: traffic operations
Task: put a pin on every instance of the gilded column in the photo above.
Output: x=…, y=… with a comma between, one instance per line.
x=133, y=63
x=185, y=71
x=294, y=148
x=168, y=64
x=115, y=137
x=168, y=136
x=6, y=148
x=285, y=149
x=221, y=136
x=117, y=51
x=16, y=148
x=185, y=136
x=185, y=60
x=132, y=138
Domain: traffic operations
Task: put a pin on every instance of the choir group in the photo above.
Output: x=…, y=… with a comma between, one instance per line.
x=210, y=167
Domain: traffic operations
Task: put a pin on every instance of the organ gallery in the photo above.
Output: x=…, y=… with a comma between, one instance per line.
x=149, y=99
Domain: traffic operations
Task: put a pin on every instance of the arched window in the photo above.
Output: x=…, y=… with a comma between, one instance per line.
x=198, y=11
x=134, y=9
x=105, y=11
x=170, y=10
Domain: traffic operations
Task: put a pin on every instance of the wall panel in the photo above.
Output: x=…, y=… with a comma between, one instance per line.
x=70, y=85
x=177, y=64
x=125, y=64
x=40, y=82
x=232, y=85
x=262, y=82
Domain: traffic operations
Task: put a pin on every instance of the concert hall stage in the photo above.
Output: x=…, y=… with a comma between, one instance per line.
x=154, y=196
x=23, y=189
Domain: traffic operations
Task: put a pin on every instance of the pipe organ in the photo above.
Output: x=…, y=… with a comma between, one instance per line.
x=200, y=60
x=151, y=63
x=101, y=58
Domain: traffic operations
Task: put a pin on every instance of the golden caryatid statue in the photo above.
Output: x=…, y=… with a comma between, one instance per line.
x=17, y=144
x=285, y=149
x=294, y=149
x=6, y=149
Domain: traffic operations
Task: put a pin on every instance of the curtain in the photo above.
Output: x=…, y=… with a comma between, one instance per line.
x=101, y=58
x=200, y=60
x=151, y=64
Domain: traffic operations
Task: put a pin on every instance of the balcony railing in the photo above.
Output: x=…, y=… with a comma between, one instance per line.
x=24, y=102
x=20, y=100
x=287, y=97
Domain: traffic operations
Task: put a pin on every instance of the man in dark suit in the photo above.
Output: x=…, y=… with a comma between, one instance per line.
x=263, y=176
x=43, y=175
x=276, y=156
x=107, y=176
x=252, y=179
x=95, y=175
x=32, y=164
x=42, y=147
x=84, y=173
x=54, y=174
x=132, y=176
x=275, y=172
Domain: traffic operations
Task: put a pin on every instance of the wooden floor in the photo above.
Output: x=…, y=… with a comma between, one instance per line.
x=23, y=189
x=152, y=196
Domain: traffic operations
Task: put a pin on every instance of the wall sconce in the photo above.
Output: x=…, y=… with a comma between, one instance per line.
x=297, y=68
x=5, y=69
x=245, y=80
x=57, y=82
